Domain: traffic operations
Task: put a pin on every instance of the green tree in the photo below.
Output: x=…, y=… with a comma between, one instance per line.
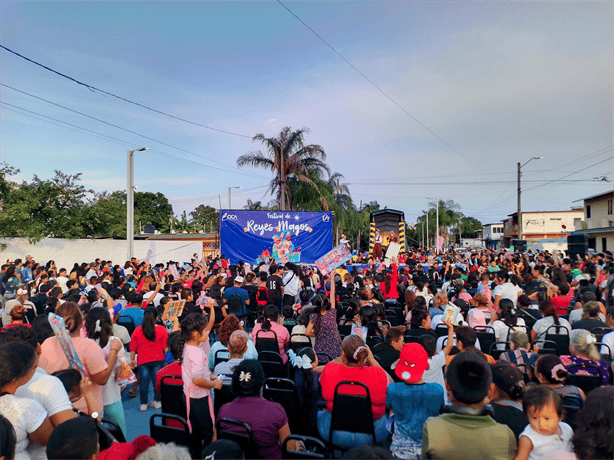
x=105, y=215
x=206, y=216
x=152, y=208
x=469, y=227
x=289, y=159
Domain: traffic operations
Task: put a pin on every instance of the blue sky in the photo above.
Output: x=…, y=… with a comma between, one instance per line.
x=500, y=82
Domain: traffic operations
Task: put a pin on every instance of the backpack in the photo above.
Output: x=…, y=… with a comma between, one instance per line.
x=262, y=296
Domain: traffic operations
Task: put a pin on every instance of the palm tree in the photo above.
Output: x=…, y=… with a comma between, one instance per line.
x=253, y=205
x=288, y=157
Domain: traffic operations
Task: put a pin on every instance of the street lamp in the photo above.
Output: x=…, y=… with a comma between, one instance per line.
x=229, y=197
x=520, y=192
x=130, y=201
x=436, y=224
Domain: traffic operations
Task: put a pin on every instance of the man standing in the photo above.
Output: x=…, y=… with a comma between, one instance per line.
x=275, y=286
x=235, y=294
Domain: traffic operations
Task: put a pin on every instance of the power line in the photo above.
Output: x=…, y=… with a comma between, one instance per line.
x=124, y=129
x=94, y=89
x=110, y=138
x=576, y=172
x=378, y=88
x=476, y=182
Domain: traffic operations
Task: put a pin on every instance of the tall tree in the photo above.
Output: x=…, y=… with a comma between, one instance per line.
x=152, y=208
x=206, y=216
x=253, y=206
x=287, y=157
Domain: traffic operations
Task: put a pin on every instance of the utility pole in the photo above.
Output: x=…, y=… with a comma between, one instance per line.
x=130, y=200
x=282, y=182
x=437, y=228
x=519, y=213
x=427, y=229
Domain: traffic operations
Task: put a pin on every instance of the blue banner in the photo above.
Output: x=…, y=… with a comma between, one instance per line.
x=288, y=236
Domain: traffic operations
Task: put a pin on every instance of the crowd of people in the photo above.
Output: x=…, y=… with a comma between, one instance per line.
x=489, y=354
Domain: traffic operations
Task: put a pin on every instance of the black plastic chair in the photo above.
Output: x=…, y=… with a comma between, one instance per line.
x=266, y=343
x=127, y=322
x=313, y=448
x=373, y=340
x=586, y=382
x=222, y=396
x=272, y=364
x=441, y=330
x=419, y=332
x=297, y=345
x=351, y=413
x=345, y=329
x=548, y=347
x=241, y=434
x=608, y=355
x=392, y=318
x=561, y=338
x=323, y=357
x=172, y=396
x=163, y=433
x=599, y=332
x=220, y=357
x=496, y=350
x=486, y=336
x=529, y=319
x=283, y=391
x=572, y=404
x=113, y=428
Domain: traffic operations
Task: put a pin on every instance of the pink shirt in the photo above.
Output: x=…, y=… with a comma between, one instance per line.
x=283, y=337
x=195, y=365
x=52, y=359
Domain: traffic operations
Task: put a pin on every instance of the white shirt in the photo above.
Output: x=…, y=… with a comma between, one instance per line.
x=608, y=340
x=26, y=416
x=291, y=283
x=156, y=300
x=542, y=444
x=434, y=374
x=507, y=291
x=502, y=329
x=50, y=393
x=541, y=325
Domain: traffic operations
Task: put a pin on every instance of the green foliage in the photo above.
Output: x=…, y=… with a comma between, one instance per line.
x=152, y=208
x=207, y=216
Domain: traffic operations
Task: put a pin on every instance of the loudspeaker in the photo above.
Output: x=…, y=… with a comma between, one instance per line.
x=577, y=245
x=520, y=245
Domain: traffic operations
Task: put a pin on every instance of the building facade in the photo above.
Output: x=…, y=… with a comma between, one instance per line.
x=539, y=225
x=492, y=235
x=598, y=222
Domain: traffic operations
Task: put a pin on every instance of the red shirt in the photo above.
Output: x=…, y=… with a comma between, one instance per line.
x=561, y=303
x=149, y=351
x=171, y=369
x=17, y=324
x=374, y=378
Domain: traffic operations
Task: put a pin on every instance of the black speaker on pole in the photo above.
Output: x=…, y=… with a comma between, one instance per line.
x=577, y=245
x=520, y=245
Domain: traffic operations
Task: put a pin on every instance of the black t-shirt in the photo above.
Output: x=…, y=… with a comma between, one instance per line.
x=387, y=356
x=273, y=285
x=253, y=292
x=510, y=416
x=588, y=324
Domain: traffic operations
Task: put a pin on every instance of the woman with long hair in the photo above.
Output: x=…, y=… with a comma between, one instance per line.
x=271, y=323
x=149, y=345
x=323, y=325
x=99, y=328
x=507, y=322
x=95, y=366
x=550, y=318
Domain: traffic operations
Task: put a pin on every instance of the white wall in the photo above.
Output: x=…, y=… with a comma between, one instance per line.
x=66, y=252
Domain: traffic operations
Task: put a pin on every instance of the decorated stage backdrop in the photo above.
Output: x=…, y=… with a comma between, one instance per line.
x=253, y=236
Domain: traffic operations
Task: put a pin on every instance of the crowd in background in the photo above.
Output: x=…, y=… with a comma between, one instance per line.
x=473, y=354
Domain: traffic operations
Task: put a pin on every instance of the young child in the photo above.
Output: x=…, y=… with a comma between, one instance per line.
x=437, y=361
x=197, y=378
x=546, y=433
x=413, y=401
x=78, y=387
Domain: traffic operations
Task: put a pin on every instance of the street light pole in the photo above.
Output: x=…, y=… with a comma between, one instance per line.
x=519, y=213
x=229, y=197
x=130, y=200
x=436, y=223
